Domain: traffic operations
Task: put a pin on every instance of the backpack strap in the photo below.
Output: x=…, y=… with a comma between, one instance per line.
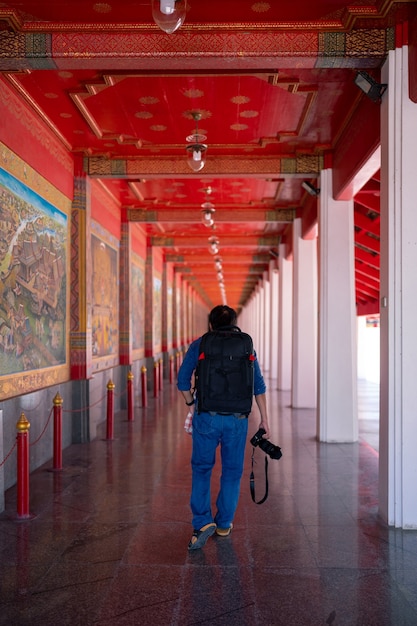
x=252, y=480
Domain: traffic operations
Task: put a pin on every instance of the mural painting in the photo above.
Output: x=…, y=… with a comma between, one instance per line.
x=138, y=305
x=169, y=316
x=105, y=289
x=33, y=277
x=157, y=313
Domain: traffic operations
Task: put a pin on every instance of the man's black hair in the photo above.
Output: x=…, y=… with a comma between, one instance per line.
x=222, y=315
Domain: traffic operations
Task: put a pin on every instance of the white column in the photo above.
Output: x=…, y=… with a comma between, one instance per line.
x=284, y=321
x=261, y=327
x=398, y=386
x=257, y=335
x=266, y=322
x=246, y=319
x=274, y=300
x=304, y=353
x=337, y=384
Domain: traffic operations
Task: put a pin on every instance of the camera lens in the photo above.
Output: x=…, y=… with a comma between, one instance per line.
x=270, y=449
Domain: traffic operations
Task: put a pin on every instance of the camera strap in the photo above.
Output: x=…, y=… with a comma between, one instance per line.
x=252, y=480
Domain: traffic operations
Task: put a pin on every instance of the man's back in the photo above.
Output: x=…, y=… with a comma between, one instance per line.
x=225, y=372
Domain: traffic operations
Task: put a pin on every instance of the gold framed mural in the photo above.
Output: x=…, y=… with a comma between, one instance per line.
x=34, y=285
x=105, y=298
x=157, y=313
x=138, y=306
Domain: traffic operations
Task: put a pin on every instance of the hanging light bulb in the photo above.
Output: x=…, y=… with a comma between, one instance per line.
x=207, y=211
x=207, y=219
x=169, y=14
x=196, y=149
x=214, y=245
x=218, y=264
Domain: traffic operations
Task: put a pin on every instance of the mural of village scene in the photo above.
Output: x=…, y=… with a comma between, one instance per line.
x=157, y=312
x=105, y=294
x=138, y=303
x=33, y=300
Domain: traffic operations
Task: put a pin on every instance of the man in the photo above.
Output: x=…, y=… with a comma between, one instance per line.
x=209, y=430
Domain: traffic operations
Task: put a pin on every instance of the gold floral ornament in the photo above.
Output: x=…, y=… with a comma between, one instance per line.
x=144, y=115
x=102, y=7
x=149, y=100
x=239, y=127
x=248, y=114
x=240, y=99
x=158, y=128
x=193, y=93
x=261, y=7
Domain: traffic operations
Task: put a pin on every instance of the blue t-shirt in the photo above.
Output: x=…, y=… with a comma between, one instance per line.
x=189, y=364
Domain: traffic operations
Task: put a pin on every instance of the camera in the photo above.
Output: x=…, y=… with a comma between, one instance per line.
x=274, y=452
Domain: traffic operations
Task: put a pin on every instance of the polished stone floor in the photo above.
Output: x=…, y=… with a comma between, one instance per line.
x=107, y=544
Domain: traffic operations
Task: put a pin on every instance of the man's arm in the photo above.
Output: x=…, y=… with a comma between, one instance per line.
x=186, y=371
x=263, y=410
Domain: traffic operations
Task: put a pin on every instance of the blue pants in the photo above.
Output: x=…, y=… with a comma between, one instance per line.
x=230, y=433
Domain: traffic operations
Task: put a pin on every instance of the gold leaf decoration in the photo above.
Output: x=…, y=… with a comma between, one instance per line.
x=239, y=127
x=261, y=7
x=148, y=100
x=248, y=114
x=102, y=7
x=193, y=93
x=240, y=99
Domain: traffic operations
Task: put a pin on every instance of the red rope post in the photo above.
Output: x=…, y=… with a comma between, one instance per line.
x=22, y=427
x=144, y=386
x=57, y=461
x=155, y=379
x=110, y=410
x=171, y=368
x=130, y=397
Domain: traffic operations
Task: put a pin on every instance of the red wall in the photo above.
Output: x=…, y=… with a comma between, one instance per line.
x=33, y=141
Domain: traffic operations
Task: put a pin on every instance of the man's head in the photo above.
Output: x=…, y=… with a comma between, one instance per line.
x=222, y=315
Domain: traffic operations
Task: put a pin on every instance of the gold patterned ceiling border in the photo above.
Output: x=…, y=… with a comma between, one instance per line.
x=295, y=44
x=151, y=51
x=190, y=216
x=19, y=52
x=11, y=18
x=268, y=166
x=191, y=241
x=227, y=257
x=349, y=50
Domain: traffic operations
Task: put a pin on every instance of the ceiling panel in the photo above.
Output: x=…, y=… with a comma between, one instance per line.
x=273, y=84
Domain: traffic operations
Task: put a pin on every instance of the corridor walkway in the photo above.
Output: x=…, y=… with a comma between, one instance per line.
x=108, y=542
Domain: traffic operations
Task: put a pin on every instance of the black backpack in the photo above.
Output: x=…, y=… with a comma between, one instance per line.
x=224, y=374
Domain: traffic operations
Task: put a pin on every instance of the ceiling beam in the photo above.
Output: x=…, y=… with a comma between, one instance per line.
x=193, y=215
x=194, y=47
x=237, y=241
x=228, y=166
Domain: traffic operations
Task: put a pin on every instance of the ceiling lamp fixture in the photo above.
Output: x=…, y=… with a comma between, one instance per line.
x=370, y=86
x=214, y=245
x=207, y=210
x=169, y=14
x=196, y=149
x=310, y=188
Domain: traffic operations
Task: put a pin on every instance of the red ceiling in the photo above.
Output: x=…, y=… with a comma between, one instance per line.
x=273, y=83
